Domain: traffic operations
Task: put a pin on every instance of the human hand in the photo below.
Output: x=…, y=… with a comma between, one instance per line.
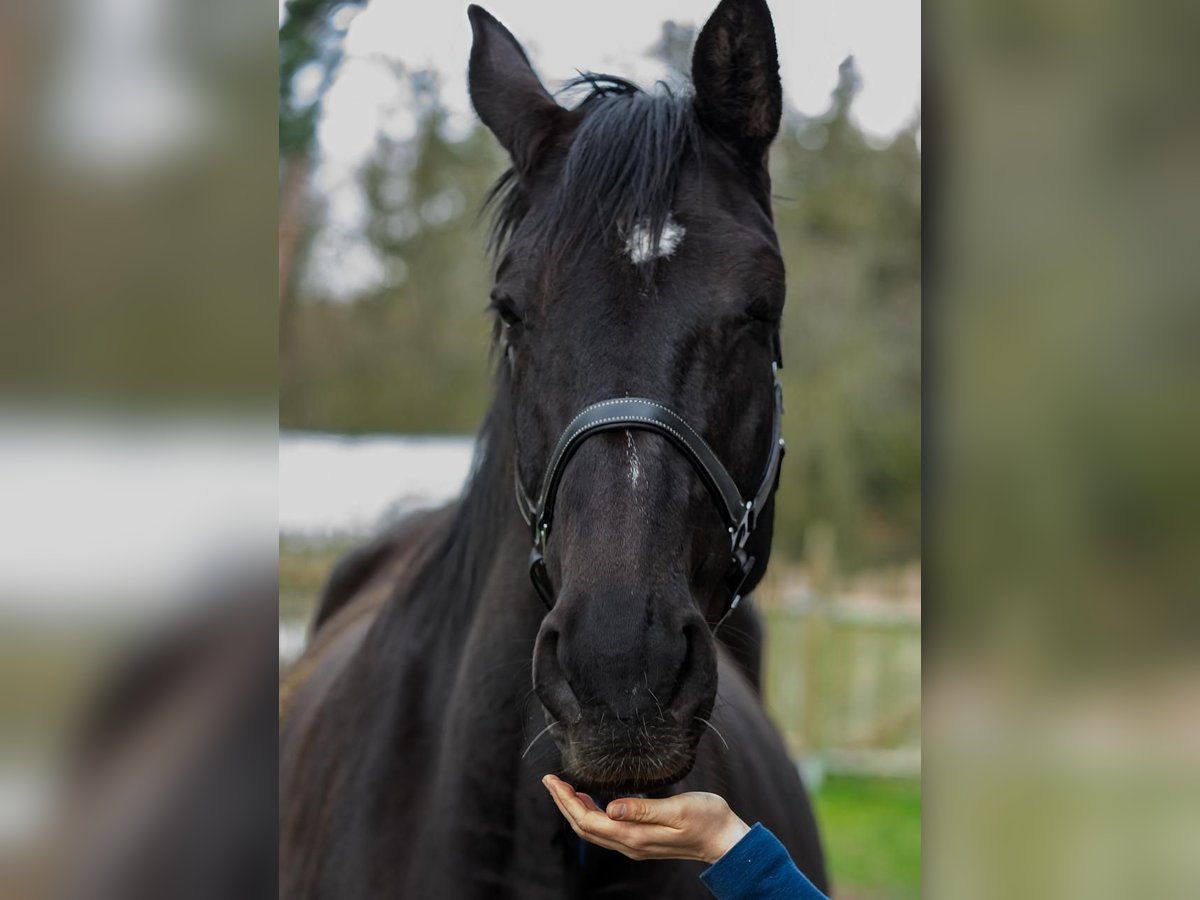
x=694, y=825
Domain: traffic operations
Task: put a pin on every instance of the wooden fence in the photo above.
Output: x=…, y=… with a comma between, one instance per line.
x=843, y=683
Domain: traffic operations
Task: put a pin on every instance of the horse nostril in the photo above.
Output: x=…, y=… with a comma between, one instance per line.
x=550, y=682
x=699, y=661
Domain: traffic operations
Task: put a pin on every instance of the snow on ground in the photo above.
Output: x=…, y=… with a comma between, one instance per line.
x=333, y=484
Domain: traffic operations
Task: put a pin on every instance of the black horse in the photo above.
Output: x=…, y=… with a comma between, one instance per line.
x=636, y=258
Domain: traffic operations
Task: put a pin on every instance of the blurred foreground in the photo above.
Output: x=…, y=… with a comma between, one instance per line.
x=137, y=449
x=1062, y=681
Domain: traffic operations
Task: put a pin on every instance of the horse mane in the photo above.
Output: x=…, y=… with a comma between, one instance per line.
x=459, y=546
x=621, y=168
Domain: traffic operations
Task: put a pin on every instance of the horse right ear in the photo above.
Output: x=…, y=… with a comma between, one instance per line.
x=735, y=69
x=506, y=92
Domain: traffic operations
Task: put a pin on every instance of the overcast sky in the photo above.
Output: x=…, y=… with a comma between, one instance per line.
x=561, y=36
x=613, y=36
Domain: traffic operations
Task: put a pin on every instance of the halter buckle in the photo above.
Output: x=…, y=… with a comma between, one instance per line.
x=540, y=579
x=541, y=534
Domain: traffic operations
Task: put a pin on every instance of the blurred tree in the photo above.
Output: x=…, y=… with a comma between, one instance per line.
x=674, y=48
x=356, y=366
x=848, y=217
x=310, y=52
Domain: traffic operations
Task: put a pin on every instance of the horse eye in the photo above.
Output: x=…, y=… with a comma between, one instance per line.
x=765, y=309
x=504, y=307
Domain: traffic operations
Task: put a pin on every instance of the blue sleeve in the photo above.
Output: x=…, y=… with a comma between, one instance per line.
x=758, y=868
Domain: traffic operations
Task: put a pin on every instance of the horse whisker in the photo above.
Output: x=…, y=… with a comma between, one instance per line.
x=535, y=739
x=714, y=728
x=661, y=717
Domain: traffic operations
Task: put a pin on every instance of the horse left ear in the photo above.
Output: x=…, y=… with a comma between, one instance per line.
x=735, y=68
x=506, y=92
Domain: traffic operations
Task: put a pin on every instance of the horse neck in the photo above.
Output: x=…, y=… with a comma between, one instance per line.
x=457, y=640
x=475, y=575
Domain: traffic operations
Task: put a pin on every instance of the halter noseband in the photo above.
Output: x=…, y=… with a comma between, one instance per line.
x=740, y=516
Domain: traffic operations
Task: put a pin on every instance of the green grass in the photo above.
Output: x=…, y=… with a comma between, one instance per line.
x=872, y=833
x=303, y=570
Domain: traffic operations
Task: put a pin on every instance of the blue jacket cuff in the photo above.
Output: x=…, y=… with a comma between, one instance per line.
x=758, y=868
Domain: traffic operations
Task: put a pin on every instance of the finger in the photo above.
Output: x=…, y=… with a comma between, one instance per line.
x=559, y=790
x=591, y=820
x=590, y=835
x=669, y=811
x=636, y=846
x=562, y=809
x=582, y=818
x=593, y=824
x=630, y=839
x=587, y=800
x=596, y=826
x=563, y=793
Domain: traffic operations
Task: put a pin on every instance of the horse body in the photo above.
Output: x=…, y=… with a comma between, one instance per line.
x=427, y=791
x=637, y=259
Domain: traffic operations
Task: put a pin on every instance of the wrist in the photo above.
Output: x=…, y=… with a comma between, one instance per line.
x=727, y=836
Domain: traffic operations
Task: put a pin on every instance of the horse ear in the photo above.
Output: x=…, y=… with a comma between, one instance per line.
x=735, y=68
x=506, y=92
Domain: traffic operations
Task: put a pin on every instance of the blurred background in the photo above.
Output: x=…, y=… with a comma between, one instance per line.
x=1062, y=672
x=385, y=369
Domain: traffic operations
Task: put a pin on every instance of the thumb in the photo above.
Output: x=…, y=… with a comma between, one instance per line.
x=637, y=809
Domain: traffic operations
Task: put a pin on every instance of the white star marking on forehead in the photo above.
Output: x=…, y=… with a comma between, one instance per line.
x=638, y=245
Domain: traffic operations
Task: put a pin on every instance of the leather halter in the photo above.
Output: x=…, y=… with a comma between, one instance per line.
x=740, y=516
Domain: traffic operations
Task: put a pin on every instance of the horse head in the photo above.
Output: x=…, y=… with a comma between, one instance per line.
x=636, y=257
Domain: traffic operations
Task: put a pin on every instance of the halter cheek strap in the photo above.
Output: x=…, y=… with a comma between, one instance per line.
x=740, y=516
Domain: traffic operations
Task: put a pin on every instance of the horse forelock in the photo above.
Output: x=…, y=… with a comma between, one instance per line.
x=616, y=183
